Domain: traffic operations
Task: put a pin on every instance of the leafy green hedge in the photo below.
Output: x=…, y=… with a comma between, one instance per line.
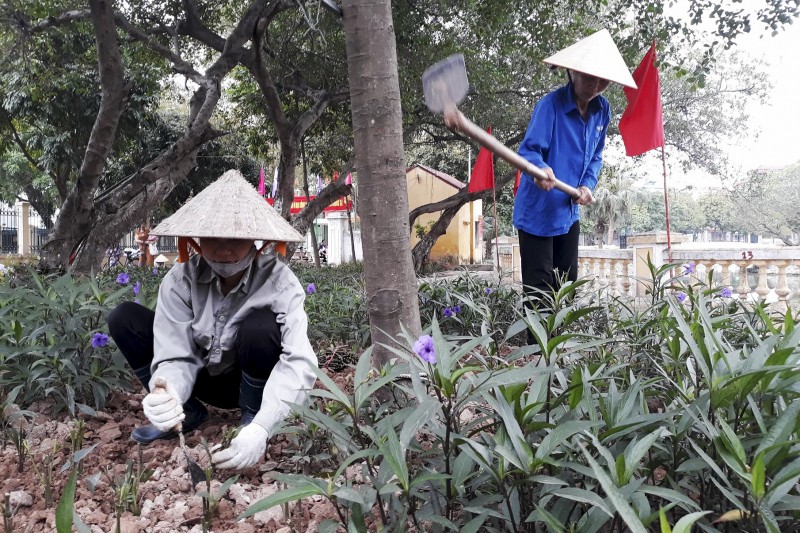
x=54, y=337
x=682, y=414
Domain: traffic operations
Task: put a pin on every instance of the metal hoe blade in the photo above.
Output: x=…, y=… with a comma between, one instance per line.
x=196, y=471
x=445, y=83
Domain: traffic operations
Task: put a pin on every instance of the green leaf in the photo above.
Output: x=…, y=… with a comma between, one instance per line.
x=782, y=482
x=576, y=394
x=780, y=432
x=613, y=493
x=279, y=498
x=424, y=412
x=348, y=494
x=684, y=525
x=732, y=441
x=542, y=515
x=561, y=433
x=66, y=505
x=336, y=393
x=395, y=456
x=662, y=516
x=357, y=523
x=474, y=525
x=635, y=452
x=758, y=479
x=220, y=492
x=584, y=496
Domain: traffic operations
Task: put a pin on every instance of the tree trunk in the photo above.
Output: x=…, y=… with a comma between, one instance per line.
x=77, y=217
x=423, y=248
x=391, y=283
x=612, y=227
x=449, y=207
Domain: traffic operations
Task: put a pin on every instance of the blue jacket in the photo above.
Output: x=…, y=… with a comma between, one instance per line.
x=559, y=138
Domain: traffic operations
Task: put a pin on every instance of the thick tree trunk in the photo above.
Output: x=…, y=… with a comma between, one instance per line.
x=77, y=217
x=390, y=280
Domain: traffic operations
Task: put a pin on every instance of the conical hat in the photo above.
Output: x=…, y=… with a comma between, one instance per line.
x=229, y=208
x=596, y=55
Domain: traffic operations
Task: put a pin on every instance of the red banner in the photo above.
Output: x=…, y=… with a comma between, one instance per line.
x=299, y=203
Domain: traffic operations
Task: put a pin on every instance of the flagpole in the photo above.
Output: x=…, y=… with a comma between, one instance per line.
x=666, y=203
x=496, y=238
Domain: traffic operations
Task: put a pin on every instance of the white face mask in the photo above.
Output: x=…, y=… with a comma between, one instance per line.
x=226, y=270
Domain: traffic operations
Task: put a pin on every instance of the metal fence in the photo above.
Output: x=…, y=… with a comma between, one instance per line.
x=8, y=231
x=11, y=226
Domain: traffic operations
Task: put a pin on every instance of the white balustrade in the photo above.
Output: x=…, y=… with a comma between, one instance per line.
x=764, y=274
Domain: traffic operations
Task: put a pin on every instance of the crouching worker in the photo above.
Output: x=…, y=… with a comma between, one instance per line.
x=229, y=327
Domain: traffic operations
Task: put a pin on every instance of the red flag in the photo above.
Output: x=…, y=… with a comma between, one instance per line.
x=516, y=181
x=642, y=123
x=482, y=177
x=262, y=187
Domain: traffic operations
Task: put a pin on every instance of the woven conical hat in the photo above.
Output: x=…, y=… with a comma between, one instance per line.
x=596, y=55
x=229, y=208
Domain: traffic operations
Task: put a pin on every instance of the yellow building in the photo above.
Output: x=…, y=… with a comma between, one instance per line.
x=464, y=237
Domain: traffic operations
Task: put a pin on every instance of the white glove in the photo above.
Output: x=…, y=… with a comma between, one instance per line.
x=245, y=449
x=163, y=407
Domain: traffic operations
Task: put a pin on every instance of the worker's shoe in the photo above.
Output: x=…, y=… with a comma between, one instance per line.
x=250, y=392
x=196, y=413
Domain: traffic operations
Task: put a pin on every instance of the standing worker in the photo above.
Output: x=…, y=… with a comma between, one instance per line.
x=565, y=138
x=229, y=327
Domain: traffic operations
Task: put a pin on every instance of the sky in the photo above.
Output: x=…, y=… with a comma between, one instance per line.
x=773, y=141
x=777, y=119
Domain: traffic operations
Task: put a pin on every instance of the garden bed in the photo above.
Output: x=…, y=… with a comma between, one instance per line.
x=167, y=501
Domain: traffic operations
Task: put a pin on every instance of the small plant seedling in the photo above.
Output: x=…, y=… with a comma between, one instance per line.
x=76, y=435
x=45, y=467
x=227, y=436
x=8, y=525
x=18, y=439
x=211, y=499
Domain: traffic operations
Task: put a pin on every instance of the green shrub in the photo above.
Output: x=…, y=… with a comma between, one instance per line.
x=467, y=305
x=338, y=323
x=682, y=413
x=54, y=338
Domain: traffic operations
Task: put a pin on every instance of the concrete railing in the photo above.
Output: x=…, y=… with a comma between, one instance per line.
x=771, y=274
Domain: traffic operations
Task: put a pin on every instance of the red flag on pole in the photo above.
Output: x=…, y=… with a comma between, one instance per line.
x=516, y=181
x=262, y=187
x=642, y=123
x=482, y=177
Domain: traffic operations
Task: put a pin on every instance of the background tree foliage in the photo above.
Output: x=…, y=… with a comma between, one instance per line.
x=179, y=59
x=768, y=202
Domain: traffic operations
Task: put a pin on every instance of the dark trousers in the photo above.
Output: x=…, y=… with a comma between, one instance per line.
x=544, y=260
x=258, y=349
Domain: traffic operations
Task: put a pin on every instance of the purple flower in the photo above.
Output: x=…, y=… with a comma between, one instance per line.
x=424, y=348
x=456, y=309
x=123, y=278
x=99, y=340
x=311, y=289
x=155, y=271
x=688, y=268
x=681, y=296
x=447, y=311
x=726, y=292
x=489, y=290
x=136, y=288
